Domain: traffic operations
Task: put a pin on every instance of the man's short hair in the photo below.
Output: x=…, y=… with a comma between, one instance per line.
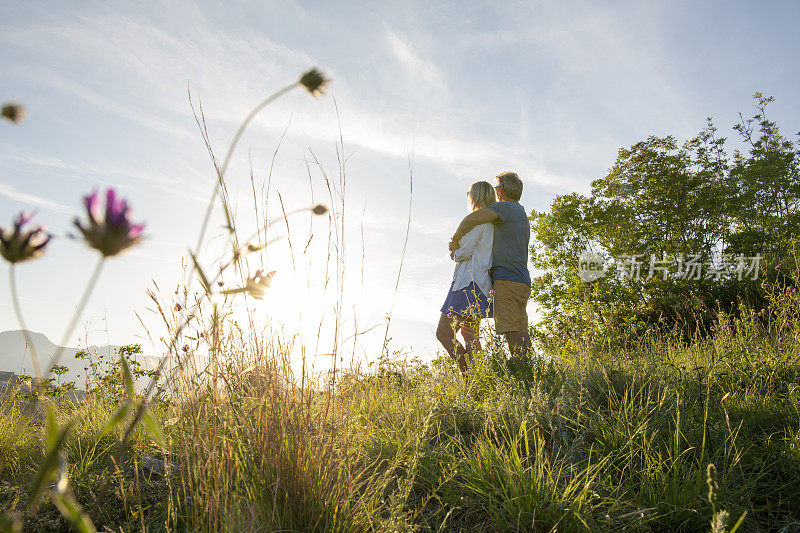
x=511, y=184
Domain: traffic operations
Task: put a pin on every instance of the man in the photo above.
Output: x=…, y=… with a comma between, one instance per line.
x=511, y=281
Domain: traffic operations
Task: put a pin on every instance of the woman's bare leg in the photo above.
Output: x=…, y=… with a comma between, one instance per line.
x=446, y=333
x=470, y=330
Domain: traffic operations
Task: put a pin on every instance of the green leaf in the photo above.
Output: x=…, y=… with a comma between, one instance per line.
x=738, y=522
x=120, y=415
x=203, y=278
x=153, y=427
x=10, y=523
x=71, y=510
x=237, y=290
x=48, y=466
x=127, y=378
x=52, y=426
x=228, y=219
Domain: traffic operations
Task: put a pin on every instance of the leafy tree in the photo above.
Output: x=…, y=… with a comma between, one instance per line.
x=48, y=387
x=662, y=207
x=764, y=188
x=106, y=377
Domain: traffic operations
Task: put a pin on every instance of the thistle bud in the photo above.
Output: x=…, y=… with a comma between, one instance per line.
x=319, y=209
x=21, y=244
x=314, y=82
x=13, y=112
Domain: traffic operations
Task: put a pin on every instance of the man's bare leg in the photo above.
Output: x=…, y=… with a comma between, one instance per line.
x=446, y=333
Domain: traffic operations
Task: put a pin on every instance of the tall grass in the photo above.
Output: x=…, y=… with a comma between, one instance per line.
x=582, y=441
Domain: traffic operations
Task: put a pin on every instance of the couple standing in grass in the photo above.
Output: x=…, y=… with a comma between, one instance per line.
x=491, y=279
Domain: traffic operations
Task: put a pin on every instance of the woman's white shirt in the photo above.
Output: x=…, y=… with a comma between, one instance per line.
x=474, y=258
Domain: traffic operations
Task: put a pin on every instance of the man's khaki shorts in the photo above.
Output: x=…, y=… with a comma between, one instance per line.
x=510, y=301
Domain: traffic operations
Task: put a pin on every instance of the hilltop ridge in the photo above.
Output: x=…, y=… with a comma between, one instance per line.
x=15, y=356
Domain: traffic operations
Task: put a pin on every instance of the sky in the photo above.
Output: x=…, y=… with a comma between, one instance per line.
x=425, y=98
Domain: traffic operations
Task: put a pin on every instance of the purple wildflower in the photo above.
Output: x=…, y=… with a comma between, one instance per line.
x=111, y=231
x=185, y=348
x=778, y=267
x=22, y=244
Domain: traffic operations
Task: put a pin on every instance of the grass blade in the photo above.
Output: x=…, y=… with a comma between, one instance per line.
x=48, y=466
x=738, y=523
x=154, y=428
x=127, y=378
x=203, y=277
x=71, y=510
x=10, y=523
x=120, y=415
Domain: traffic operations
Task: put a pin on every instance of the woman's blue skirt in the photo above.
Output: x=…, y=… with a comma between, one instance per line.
x=468, y=301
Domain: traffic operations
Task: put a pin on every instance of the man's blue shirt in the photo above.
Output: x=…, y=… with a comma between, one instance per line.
x=512, y=233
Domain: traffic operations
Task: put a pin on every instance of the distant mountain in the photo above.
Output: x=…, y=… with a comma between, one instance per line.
x=15, y=356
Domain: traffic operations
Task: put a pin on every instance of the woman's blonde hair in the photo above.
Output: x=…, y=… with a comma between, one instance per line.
x=481, y=194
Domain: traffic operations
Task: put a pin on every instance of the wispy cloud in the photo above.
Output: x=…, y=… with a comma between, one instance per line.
x=16, y=157
x=420, y=70
x=231, y=72
x=32, y=199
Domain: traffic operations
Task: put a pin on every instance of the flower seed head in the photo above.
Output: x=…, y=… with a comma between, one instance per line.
x=319, y=209
x=257, y=285
x=21, y=244
x=110, y=231
x=314, y=82
x=13, y=112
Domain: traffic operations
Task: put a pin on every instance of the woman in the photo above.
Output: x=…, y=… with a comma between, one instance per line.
x=468, y=300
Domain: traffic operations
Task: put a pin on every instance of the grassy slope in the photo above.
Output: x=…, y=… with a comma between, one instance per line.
x=587, y=440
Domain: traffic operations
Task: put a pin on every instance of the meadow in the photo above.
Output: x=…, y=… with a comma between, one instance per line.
x=661, y=435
